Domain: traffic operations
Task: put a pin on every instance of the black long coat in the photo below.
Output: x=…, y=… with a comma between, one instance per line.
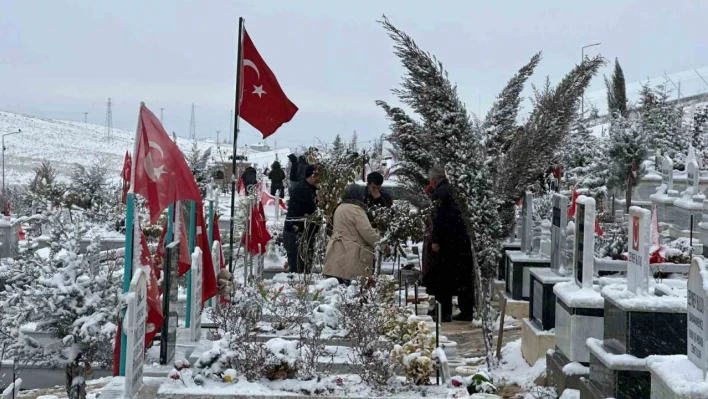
x=449, y=269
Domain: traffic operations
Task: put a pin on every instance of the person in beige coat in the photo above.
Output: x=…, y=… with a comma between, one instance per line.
x=350, y=250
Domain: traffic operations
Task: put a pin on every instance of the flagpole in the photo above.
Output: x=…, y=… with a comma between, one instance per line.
x=237, y=103
x=210, y=234
x=129, y=221
x=192, y=229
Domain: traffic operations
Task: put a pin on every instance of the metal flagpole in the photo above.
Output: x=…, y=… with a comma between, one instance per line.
x=210, y=233
x=128, y=257
x=192, y=230
x=237, y=102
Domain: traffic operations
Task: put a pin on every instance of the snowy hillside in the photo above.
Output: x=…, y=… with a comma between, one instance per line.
x=65, y=143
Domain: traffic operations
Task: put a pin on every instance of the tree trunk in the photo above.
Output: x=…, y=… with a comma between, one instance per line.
x=628, y=197
x=484, y=289
x=75, y=387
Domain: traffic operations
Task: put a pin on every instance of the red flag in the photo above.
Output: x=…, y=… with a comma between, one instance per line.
x=259, y=232
x=241, y=188
x=125, y=175
x=209, y=288
x=162, y=175
x=571, y=210
x=263, y=103
x=21, y=233
x=116, y=348
x=634, y=170
x=185, y=260
x=154, y=314
x=598, y=229
x=267, y=199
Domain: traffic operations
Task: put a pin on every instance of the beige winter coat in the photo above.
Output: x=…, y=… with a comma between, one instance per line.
x=350, y=250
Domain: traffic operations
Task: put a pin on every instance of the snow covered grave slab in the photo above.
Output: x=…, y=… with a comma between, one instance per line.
x=579, y=316
x=195, y=328
x=134, y=327
x=583, y=255
x=698, y=314
x=676, y=377
x=638, y=263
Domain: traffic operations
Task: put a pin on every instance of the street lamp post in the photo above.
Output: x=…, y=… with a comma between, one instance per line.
x=582, y=58
x=3, y=159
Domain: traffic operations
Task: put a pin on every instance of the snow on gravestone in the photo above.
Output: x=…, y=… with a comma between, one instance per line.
x=692, y=177
x=583, y=255
x=216, y=261
x=526, y=222
x=697, y=314
x=638, y=263
x=667, y=174
x=195, y=330
x=134, y=327
x=559, y=223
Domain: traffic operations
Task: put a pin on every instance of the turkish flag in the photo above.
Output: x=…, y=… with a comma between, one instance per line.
x=185, y=261
x=162, y=175
x=263, y=103
x=154, y=314
x=259, y=235
x=209, y=288
x=125, y=175
x=571, y=210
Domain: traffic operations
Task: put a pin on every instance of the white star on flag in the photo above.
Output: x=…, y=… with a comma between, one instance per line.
x=258, y=90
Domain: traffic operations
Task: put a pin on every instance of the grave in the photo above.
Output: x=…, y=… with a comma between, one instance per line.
x=666, y=195
x=519, y=263
x=9, y=238
x=689, y=207
x=168, y=333
x=579, y=306
x=536, y=331
x=684, y=377
x=637, y=325
x=195, y=328
x=134, y=327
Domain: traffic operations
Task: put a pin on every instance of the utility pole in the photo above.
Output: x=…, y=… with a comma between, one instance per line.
x=231, y=125
x=85, y=117
x=161, y=110
x=192, y=126
x=217, y=137
x=109, y=120
x=582, y=58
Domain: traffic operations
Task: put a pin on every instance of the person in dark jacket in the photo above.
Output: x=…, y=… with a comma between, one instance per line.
x=249, y=178
x=302, y=165
x=375, y=194
x=293, y=173
x=303, y=203
x=277, y=176
x=450, y=265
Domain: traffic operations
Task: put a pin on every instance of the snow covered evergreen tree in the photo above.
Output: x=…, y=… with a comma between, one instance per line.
x=584, y=160
x=353, y=145
x=198, y=162
x=74, y=297
x=617, y=92
x=88, y=187
x=626, y=150
x=661, y=123
x=699, y=129
x=338, y=144
x=44, y=189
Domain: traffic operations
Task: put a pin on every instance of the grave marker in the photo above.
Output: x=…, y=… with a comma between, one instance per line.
x=692, y=176
x=195, y=329
x=168, y=333
x=583, y=253
x=697, y=316
x=526, y=222
x=134, y=326
x=216, y=260
x=667, y=173
x=559, y=223
x=638, y=263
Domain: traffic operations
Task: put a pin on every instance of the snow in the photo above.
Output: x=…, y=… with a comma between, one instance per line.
x=575, y=368
x=627, y=300
x=624, y=361
x=570, y=394
x=577, y=297
x=680, y=375
x=513, y=368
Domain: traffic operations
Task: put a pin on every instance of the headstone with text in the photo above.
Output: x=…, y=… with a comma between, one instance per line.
x=168, y=333
x=559, y=222
x=195, y=329
x=692, y=177
x=526, y=222
x=584, y=248
x=638, y=246
x=698, y=315
x=134, y=327
x=216, y=260
x=667, y=174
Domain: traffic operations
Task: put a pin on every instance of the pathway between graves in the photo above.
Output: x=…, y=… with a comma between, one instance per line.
x=470, y=342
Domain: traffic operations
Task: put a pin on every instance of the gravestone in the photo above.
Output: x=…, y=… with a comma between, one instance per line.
x=216, y=260
x=583, y=258
x=692, y=177
x=9, y=238
x=638, y=245
x=168, y=333
x=526, y=222
x=195, y=328
x=697, y=316
x=559, y=223
x=134, y=327
x=667, y=174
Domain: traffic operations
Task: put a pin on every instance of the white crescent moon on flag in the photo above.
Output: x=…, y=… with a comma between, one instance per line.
x=153, y=144
x=252, y=65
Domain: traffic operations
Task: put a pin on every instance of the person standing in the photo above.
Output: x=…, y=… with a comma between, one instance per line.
x=302, y=165
x=293, y=173
x=303, y=203
x=450, y=256
x=375, y=194
x=250, y=178
x=350, y=250
x=277, y=176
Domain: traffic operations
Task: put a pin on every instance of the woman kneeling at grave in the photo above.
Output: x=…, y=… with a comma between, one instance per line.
x=350, y=250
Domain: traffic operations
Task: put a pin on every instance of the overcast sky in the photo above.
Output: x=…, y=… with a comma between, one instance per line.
x=61, y=58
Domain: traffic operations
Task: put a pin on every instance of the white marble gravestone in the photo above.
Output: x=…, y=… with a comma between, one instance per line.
x=667, y=174
x=583, y=256
x=638, y=246
x=216, y=260
x=134, y=327
x=698, y=315
x=692, y=177
x=195, y=329
x=559, y=223
x=526, y=222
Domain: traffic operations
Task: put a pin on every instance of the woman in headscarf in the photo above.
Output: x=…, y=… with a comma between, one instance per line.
x=350, y=250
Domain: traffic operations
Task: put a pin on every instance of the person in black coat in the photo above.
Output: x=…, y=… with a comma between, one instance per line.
x=249, y=178
x=302, y=165
x=277, y=176
x=375, y=195
x=450, y=265
x=303, y=203
x=293, y=173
